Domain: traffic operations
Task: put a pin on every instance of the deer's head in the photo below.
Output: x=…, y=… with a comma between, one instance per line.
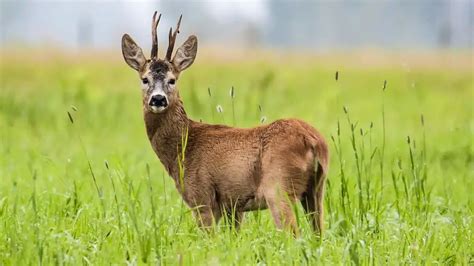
x=159, y=76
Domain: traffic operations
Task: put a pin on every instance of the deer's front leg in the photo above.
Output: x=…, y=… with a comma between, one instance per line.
x=206, y=216
x=200, y=196
x=207, y=211
x=234, y=218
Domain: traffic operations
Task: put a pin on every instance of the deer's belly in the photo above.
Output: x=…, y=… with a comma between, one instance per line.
x=241, y=202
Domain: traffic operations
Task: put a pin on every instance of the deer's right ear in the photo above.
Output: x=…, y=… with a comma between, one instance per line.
x=132, y=53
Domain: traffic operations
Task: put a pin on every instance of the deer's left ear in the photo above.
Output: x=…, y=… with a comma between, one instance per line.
x=186, y=54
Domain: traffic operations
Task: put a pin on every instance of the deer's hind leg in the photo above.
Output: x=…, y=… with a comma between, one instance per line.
x=312, y=200
x=280, y=203
x=308, y=201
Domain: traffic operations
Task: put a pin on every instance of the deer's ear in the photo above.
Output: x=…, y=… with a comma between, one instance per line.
x=186, y=54
x=132, y=53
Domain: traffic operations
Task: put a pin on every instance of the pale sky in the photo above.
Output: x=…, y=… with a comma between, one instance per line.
x=273, y=23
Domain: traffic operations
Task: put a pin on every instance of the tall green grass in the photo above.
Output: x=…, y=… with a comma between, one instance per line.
x=79, y=183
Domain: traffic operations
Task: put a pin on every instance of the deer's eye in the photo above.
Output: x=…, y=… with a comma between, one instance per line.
x=144, y=80
x=171, y=81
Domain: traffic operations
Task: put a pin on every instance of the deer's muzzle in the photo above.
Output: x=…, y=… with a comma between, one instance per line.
x=158, y=102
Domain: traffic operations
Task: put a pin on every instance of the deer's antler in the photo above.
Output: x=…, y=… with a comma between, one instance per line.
x=154, y=36
x=172, y=38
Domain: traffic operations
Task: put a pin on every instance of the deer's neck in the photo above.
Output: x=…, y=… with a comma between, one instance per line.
x=165, y=132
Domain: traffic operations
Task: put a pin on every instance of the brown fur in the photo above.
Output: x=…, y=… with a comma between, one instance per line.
x=228, y=171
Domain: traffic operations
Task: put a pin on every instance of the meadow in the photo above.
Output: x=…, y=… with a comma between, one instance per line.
x=80, y=184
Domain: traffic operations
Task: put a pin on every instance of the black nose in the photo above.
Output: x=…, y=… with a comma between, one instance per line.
x=158, y=101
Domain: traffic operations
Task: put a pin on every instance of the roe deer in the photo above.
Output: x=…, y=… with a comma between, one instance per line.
x=227, y=171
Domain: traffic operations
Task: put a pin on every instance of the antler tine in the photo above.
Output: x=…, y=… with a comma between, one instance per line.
x=154, y=36
x=172, y=39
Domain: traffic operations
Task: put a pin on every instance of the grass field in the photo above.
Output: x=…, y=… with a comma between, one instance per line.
x=400, y=186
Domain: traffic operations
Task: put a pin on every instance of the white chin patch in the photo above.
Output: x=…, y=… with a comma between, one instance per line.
x=156, y=109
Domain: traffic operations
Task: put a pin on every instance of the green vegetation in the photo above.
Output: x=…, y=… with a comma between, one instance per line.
x=93, y=192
